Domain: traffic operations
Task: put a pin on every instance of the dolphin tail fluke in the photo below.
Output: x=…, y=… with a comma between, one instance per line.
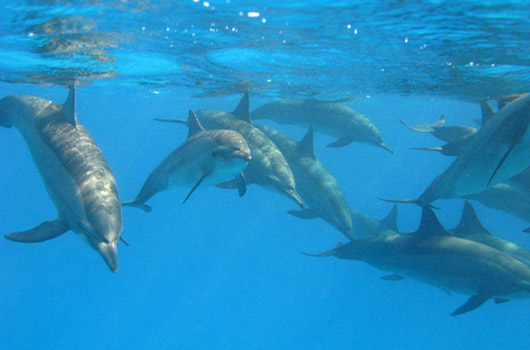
x=45, y=231
x=330, y=252
x=435, y=149
x=175, y=121
x=137, y=204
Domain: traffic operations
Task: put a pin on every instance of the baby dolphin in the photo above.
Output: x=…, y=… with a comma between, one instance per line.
x=472, y=229
x=268, y=167
x=327, y=117
x=205, y=158
x=315, y=184
x=432, y=256
x=74, y=172
x=441, y=131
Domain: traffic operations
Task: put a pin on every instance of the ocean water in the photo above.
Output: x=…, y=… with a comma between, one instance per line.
x=224, y=272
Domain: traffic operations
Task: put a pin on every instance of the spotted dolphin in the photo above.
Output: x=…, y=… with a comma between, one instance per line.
x=471, y=228
x=315, y=184
x=74, y=172
x=328, y=117
x=432, y=256
x=268, y=167
x=498, y=151
x=205, y=158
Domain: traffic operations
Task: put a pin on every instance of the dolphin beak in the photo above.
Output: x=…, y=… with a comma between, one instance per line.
x=385, y=146
x=295, y=196
x=242, y=154
x=109, y=252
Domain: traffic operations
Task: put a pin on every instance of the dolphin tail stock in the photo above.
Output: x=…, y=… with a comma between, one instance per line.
x=418, y=202
x=137, y=204
x=175, y=121
x=330, y=252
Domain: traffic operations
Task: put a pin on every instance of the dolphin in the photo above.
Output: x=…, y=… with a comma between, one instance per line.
x=452, y=148
x=505, y=198
x=315, y=184
x=366, y=226
x=441, y=131
x=328, y=117
x=472, y=229
x=268, y=167
x=498, y=151
x=521, y=182
x=205, y=158
x=73, y=170
x=432, y=256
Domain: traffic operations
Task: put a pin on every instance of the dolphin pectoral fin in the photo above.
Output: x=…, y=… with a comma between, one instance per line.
x=501, y=300
x=45, y=231
x=341, y=142
x=195, y=187
x=124, y=241
x=503, y=159
x=474, y=302
x=393, y=277
x=137, y=204
x=304, y=214
x=228, y=185
x=241, y=185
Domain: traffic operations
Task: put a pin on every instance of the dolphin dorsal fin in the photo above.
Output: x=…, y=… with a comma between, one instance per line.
x=390, y=221
x=305, y=147
x=69, y=110
x=487, y=111
x=430, y=225
x=469, y=223
x=242, y=111
x=194, y=125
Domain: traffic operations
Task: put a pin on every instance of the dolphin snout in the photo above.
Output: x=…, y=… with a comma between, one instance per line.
x=242, y=154
x=109, y=252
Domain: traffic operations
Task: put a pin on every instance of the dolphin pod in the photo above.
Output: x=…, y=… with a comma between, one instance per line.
x=268, y=167
x=432, y=255
x=227, y=150
x=205, y=158
x=328, y=117
x=73, y=170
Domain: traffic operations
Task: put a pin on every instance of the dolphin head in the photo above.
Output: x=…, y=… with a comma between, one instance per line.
x=232, y=146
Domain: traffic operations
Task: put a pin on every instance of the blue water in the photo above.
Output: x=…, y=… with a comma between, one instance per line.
x=223, y=272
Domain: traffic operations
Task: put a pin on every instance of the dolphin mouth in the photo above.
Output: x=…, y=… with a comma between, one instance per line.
x=242, y=154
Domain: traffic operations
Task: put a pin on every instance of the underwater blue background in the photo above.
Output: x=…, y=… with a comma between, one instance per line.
x=225, y=272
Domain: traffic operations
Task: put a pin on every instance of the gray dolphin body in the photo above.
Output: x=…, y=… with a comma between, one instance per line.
x=452, y=148
x=505, y=198
x=74, y=172
x=268, y=167
x=432, y=256
x=472, y=229
x=205, y=158
x=328, y=117
x=315, y=184
x=498, y=151
x=441, y=131
x=366, y=226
